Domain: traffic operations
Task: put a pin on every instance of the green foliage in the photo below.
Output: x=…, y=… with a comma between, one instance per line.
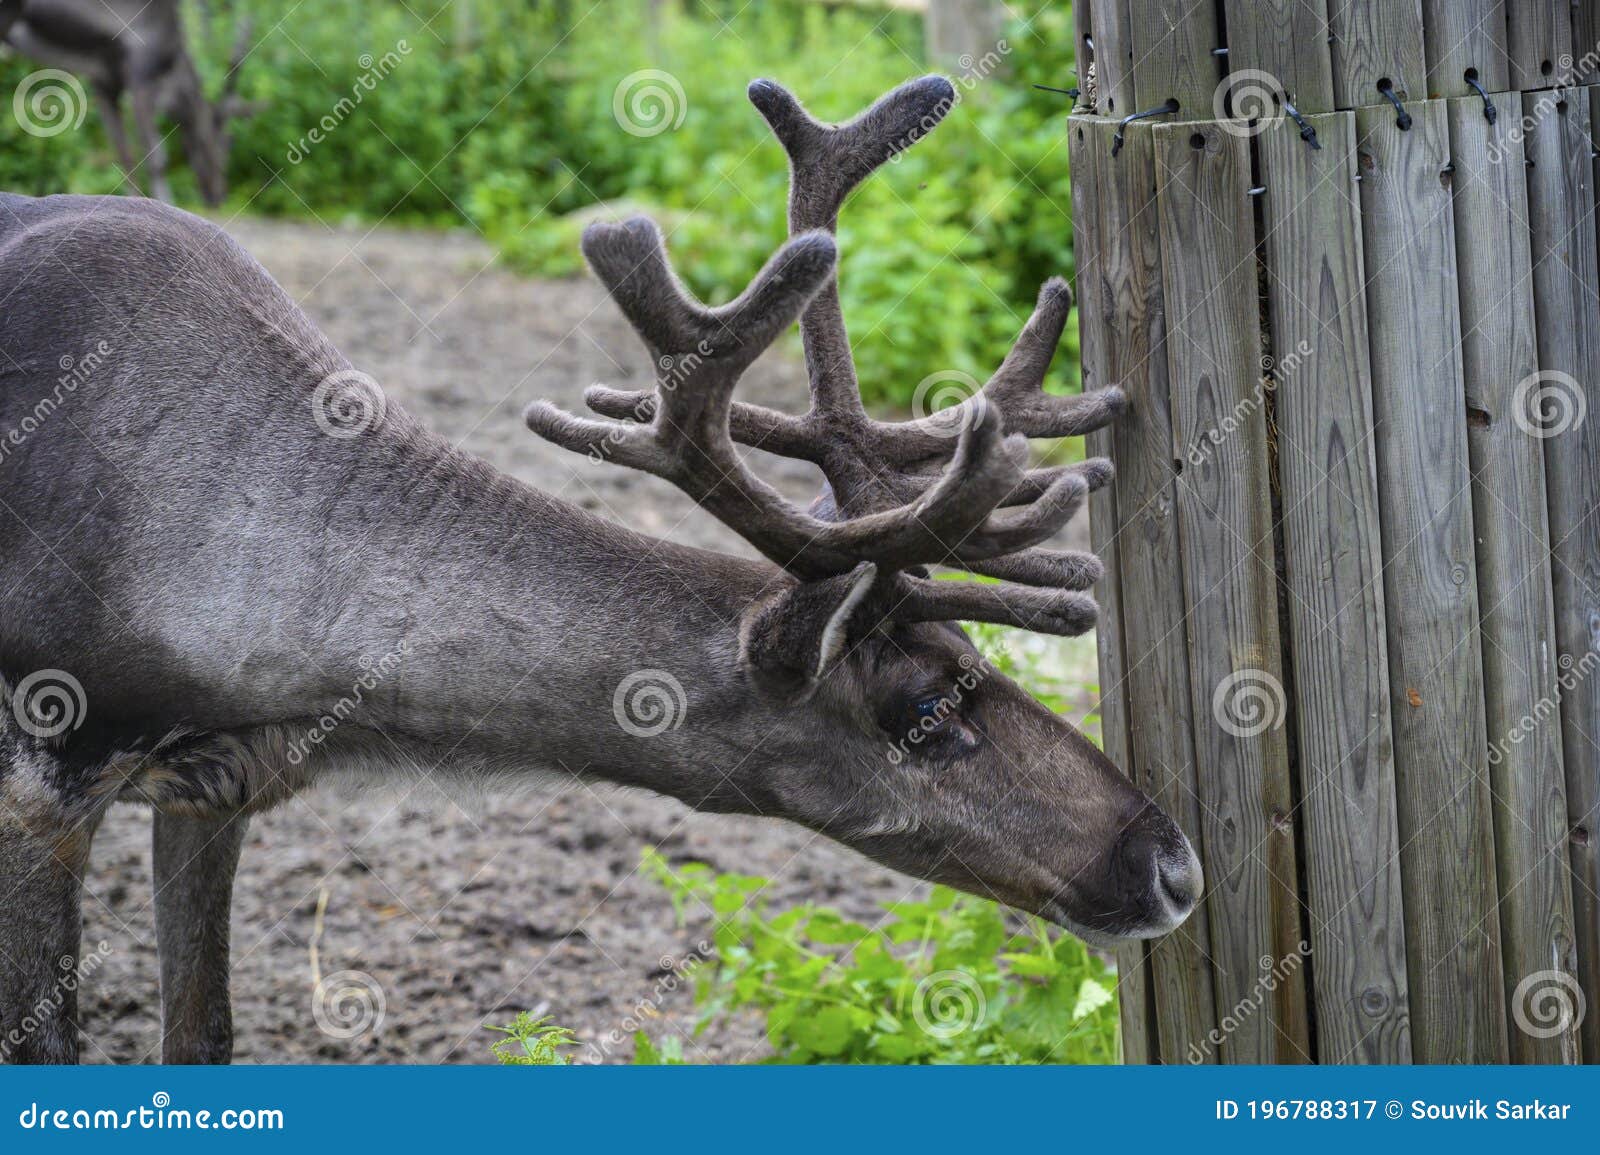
x=946, y=980
x=501, y=118
x=532, y=1042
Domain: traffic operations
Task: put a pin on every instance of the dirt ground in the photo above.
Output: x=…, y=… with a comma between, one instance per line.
x=458, y=916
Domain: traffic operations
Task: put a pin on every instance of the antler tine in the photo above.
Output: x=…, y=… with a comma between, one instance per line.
x=701, y=353
x=1045, y=611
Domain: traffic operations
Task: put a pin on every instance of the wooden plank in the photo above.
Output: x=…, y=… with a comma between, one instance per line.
x=1127, y=280
x=1113, y=57
x=1229, y=574
x=1376, y=41
x=1088, y=163
x=1083, y=50
x=1173, y=42
x=1332, y=543
x=1287, y=40
x=1465, y=37
x=1430, y=587
x=1586, y=41
x=1499, y=350
x=1561, y=206
x=1539, y=42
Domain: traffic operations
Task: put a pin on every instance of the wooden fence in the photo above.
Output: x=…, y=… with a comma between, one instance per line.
x=1351, y=642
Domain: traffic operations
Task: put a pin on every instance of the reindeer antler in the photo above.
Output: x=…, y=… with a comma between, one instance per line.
x=948, y=489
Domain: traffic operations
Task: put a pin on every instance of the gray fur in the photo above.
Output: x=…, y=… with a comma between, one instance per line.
x=252, y=605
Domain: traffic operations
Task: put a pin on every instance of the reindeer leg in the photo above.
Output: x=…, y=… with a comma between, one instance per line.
x=194, y=864
x=111, y=116
x=44, y=848
x=149, y=130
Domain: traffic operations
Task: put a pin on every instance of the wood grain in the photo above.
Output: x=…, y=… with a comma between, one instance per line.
x=1333, y=552
x=1462, y=35
x=1539, y=42
x=1113, y=57
x=1288, y=40
x=1172, y=54
x=1224, y=506
x=1126, y=278
x=1376, y=40
x=1088, y=162
x=1561, y=206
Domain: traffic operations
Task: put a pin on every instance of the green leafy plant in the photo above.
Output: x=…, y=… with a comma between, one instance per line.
x=533, y=1042
x=946, y=980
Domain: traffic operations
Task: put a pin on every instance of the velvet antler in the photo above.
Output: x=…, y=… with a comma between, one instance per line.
x=950, y=489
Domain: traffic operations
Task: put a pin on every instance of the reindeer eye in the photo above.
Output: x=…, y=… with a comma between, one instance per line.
x=928, y=707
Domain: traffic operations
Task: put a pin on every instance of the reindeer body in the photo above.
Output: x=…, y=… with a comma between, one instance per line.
x=221, y=567
x=134, y=48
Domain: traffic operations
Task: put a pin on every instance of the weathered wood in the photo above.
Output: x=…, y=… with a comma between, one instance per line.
x=1173, y=42
x=1376, y=41
x=1229, y=576
x=1586, y=41
x=1539, y=43
x=1465, y=36
x=1127, y=279
x=1287, y=40
x=1113, y=57
x=1430, y=587
x=1561, y=207
x=1088, y=163
x=1499, y=351
x=1332, y=544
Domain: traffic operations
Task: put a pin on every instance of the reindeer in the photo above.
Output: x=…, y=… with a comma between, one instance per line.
x=210, y=572
x=137, y=47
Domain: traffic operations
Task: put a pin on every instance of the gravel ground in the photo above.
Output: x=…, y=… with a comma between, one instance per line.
x=463, y=914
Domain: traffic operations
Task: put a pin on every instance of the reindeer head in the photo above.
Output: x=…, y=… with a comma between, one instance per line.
x=866, y=713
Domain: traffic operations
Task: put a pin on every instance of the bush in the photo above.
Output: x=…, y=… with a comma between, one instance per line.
x=500, y=117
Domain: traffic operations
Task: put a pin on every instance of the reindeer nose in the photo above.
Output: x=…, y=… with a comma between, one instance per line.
x=1156, y=852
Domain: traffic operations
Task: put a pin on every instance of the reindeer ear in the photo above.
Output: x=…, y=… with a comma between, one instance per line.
x=789, y=640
